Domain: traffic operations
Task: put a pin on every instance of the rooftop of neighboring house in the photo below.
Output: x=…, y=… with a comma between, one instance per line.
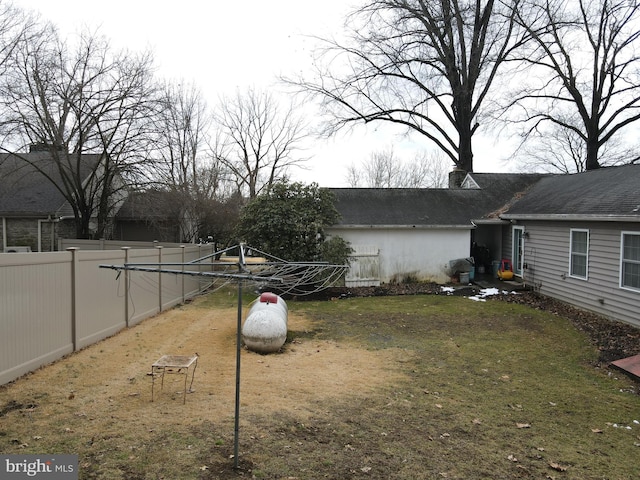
x=26, y=184
x=609, y=192
x=479, y=196
x=149, y=204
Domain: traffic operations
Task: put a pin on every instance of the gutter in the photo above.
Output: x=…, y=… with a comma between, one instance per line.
x=489, y=221
x=469, y=226
x=571, y=217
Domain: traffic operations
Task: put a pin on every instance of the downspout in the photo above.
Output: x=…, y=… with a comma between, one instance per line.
x=60, y=219
x=4, y=233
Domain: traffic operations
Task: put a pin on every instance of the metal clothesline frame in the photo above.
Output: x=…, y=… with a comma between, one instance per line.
x=272, y=270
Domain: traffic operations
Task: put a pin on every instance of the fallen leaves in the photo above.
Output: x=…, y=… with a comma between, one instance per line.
x=557, y=467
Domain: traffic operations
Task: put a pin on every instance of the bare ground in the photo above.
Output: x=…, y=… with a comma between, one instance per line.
x=98, y=390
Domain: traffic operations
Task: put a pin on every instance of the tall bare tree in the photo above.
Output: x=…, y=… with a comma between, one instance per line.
x=76, y=99
x=584, y=76
x=383, y=169
x=16, y=25
x=259, y=139
x=427, y=65
x=186, y=167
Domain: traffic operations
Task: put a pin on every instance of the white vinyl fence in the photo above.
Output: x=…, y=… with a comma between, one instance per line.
x=52, y=304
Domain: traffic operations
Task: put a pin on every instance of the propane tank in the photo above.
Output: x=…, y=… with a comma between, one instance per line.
x=265, y=329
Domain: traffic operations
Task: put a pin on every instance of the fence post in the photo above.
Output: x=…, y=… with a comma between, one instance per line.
x=126, y=286
x=184, y=297
x=159, y=247
x=74, y=296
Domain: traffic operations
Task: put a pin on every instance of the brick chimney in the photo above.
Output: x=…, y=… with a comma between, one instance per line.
x=456, y=176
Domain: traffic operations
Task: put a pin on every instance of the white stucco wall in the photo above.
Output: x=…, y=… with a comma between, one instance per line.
x=420, y=252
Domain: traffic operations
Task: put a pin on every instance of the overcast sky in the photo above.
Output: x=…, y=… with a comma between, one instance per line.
x=222, y=46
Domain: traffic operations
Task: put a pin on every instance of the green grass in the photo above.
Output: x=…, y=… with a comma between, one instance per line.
x=491, y=390
x=496, y=390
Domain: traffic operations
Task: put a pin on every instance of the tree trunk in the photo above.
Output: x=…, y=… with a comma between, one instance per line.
x=463, y=118
x=592, y=153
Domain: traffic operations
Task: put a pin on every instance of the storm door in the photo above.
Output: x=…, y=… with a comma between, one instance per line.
x=517, y=256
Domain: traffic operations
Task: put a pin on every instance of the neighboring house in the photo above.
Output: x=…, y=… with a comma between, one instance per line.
x=152, y=215
x=403, y=234
x=577, y=238
x=33, y=212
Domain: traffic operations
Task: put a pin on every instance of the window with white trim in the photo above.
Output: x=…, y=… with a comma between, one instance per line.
x=579, y=254
x=630, y=261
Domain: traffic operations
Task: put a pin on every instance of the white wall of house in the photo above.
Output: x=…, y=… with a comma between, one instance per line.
x=410, y=252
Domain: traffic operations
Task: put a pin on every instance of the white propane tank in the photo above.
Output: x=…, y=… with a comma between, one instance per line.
x=270, y=301
x=265, y=329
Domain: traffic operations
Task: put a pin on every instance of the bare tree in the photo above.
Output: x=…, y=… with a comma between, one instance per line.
x=384, y=169
x=259, y=139
x=15, y=26
x=584, y=77
x=425, y=65
x=75, y=100
x=185, y=166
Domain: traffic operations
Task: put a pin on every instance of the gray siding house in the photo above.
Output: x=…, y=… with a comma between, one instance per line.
x=577, y=238
x=405, y=234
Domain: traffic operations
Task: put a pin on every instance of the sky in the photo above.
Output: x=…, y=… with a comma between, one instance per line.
x=225, y=46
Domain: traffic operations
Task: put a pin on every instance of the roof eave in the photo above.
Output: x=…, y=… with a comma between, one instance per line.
x=572, y=217
x=489, y=221
x=404, y=227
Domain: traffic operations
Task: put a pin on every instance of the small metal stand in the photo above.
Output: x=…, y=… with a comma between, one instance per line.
x=177, y=364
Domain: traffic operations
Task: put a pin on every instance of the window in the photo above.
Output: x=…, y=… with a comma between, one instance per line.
x=630, y=268
x=579, y=253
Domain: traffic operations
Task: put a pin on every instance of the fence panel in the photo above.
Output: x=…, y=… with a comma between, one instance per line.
x=35, y=311
x=144, y=300
x=364, y=268
x=54, y=303
x=66, y=243
x=99, y=298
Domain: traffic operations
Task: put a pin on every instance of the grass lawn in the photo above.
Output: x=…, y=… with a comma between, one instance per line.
x=407, y=387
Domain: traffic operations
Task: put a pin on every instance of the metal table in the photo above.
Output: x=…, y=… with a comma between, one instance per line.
x=176, y=364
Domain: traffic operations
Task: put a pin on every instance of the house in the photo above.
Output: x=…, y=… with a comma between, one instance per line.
x=153, y=215
x=577, y=238
x=33, y=212
x=403, y=234
x=35, y=215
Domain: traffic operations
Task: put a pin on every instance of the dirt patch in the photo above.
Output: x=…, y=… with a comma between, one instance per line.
x=115, y=374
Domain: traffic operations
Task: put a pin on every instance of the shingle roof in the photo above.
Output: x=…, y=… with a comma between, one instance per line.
x=606, y=192
x=429, y=207
x=26, y=192
x=149, y=204
x=400, y=206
